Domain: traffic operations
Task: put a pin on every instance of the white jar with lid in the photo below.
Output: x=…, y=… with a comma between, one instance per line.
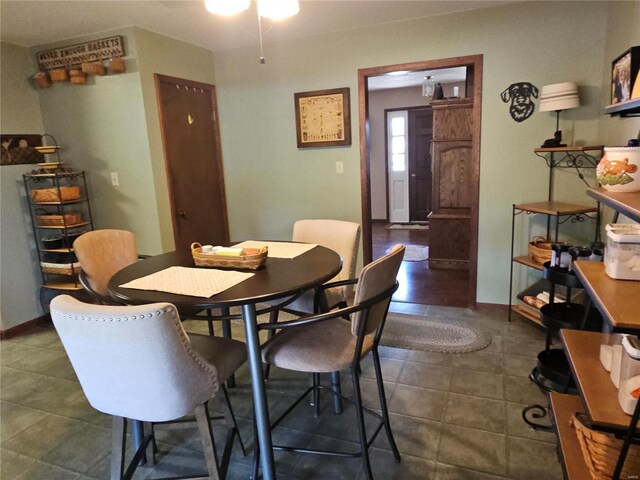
x=629, y=389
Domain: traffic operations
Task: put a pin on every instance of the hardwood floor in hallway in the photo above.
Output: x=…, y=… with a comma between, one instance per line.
x=418, y=283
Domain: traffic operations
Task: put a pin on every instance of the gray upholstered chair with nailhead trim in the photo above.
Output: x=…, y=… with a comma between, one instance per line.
x=138, y=363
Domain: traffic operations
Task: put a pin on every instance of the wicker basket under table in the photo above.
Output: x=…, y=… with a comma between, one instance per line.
x=601, y=451
x=251, y=262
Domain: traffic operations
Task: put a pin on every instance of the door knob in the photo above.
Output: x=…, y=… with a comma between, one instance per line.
x=182, y=213
x=413, y=175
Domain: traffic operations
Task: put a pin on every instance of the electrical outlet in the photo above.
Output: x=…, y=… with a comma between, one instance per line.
x=114, y=179
x=339, y=167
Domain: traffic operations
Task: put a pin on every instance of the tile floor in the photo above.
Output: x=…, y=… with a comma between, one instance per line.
x=454, y=416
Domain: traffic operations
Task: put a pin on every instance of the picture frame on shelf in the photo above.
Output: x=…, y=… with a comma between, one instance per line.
x=323, y=118
x=624, y=75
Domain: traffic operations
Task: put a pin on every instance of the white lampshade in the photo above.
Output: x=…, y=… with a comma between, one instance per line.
x=559, y=96
x=226, y=7
x=278, y=9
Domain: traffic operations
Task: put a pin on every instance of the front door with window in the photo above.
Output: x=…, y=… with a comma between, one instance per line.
x=397, y=171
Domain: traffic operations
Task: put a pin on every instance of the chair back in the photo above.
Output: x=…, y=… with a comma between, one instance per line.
x=102, y=253
x=133, y=361
x=340, y=236
x=375, y=278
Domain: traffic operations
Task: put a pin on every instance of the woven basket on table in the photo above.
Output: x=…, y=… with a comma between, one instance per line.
x=54, y=220
x=43, y=195
x=601, y=452
x=251, y=262
x=540, y=250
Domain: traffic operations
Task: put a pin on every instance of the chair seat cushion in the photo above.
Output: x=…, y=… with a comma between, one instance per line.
x=305, y=302
x=318, y=347
x=226, y=354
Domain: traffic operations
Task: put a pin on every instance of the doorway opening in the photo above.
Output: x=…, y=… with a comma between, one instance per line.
x=421, y=187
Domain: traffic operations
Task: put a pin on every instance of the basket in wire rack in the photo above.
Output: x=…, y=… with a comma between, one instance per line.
x=62, y=194
x=251, y=259
x=540, y=250
x=601, y=451
x=55, y=220
x=60, y=268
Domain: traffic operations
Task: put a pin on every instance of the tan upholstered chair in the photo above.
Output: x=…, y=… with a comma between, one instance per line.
x=101, y=254
x=329, y=343
x=341, y=237
x=137, y=363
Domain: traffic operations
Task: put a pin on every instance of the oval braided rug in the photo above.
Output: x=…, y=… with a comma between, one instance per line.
x=446, y=335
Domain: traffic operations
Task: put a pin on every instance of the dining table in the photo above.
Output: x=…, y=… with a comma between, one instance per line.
x=278, y=279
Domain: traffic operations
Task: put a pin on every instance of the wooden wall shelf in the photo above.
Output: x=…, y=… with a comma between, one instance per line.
x=617, y=300
x=564, y=407
x=597, y=391
x=626, y=203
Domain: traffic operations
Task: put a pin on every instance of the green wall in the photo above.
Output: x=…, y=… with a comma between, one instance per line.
x=103, y=129
x=20, y=114
x=111, y=125
x=270, y=183
x=166, y=56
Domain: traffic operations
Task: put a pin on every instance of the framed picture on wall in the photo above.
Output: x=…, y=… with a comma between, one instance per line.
x=624, y=75
x=20, y=149
x=323, y=118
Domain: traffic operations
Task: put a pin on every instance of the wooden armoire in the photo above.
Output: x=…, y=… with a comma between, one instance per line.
x=450, y=218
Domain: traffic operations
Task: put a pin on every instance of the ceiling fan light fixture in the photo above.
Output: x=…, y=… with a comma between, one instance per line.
x=226, y=7
x=278, y=9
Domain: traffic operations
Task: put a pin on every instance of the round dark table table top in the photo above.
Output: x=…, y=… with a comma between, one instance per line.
x=277, y=278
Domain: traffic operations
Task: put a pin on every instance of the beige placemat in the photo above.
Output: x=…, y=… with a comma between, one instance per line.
x=197, y=282
x=279, y=249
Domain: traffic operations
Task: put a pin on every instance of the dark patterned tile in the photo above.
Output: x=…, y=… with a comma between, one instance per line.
x=418, y=402
x=475, y=412
x=478, y=384
x=433, y=377
x=473, y=449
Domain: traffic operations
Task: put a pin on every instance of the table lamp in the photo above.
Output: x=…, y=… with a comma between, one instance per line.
x=558, y=97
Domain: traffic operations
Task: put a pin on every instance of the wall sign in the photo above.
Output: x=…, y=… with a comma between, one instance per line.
x=323, y=118
x=519, y=94
x=92, y=51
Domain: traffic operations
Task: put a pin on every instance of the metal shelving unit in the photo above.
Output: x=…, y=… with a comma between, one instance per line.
x=67, y=219
x=557, y=213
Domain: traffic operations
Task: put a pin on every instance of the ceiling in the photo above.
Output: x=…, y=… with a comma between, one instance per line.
x=414, y=79
x=31, y=23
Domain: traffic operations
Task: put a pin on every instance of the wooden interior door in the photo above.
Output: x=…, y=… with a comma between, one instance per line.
x=420, y=136
x=191, y=141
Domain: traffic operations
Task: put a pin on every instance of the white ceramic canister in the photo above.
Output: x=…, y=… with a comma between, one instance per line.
x=629, y=374
x=619, y=169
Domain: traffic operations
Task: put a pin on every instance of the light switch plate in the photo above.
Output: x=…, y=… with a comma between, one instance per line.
x=114, y=179
x=339, y=167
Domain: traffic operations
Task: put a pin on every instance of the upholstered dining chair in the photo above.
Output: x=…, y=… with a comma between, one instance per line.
x=138, y=363
x=342, y=237
x=340, y=339
x=102, y=253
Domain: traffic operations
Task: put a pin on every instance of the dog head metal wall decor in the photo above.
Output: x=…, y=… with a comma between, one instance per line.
x=520, y=94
